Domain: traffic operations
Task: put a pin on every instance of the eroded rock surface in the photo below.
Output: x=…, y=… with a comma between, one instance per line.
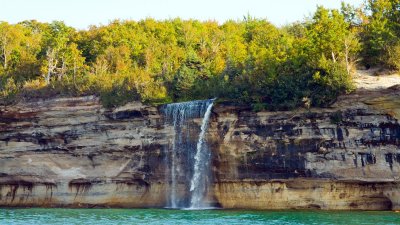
x=71, y=152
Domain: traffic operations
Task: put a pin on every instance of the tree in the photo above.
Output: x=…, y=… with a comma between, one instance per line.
x=326, y=34
x=73, y=62
x=249, y=61
x=330, y=36
x=186, y=76
x=56, y=39
x=381, y=32
x=11, y=37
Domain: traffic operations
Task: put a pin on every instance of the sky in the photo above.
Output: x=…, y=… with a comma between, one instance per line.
x=82, y=13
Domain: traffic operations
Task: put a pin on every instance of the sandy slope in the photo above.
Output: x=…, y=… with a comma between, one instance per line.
x=366, y=79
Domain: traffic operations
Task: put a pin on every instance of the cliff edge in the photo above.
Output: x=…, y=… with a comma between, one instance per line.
x=72, y=152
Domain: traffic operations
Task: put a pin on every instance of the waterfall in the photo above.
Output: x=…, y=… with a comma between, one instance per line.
x=189, y=157
x=198, y=183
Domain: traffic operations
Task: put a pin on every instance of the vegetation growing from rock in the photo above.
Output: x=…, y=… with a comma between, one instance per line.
x=250, y=61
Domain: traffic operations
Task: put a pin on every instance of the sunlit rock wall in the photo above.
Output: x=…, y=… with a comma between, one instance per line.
x=71, y=152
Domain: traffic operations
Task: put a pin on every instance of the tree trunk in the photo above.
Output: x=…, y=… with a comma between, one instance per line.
x=347, y=56
x=333, y=57
x=63, y=70
x=5, y=52
x=74, y=74
x=51, y=64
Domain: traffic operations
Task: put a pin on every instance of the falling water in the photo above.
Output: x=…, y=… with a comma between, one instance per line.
x=198, y=184
x=188, y=158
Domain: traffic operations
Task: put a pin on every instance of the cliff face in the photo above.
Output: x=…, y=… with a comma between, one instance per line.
x=344, y=157
x=72, y=152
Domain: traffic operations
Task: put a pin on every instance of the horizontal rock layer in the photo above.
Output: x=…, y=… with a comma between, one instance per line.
x=71, y=152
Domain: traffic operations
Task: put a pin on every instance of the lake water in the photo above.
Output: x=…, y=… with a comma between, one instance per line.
x=163, y=216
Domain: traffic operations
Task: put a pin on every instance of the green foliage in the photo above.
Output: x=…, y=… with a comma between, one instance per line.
x=326, y=34
x=328, y=81
x=394, y=56
x=382, y=31
x=118, y=94
x=249, y=62
x=8, y=90
x=188, y=77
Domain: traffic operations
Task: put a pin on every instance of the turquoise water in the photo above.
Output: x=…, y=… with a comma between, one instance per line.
x=162, y=216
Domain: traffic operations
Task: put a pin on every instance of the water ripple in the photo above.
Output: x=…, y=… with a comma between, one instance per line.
x=37, y=216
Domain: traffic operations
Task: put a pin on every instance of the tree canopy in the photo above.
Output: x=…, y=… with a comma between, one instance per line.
x=249, y=61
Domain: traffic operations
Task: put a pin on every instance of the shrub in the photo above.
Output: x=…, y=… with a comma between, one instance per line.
x=328, y=82
x=394, y=57
x=8, y=90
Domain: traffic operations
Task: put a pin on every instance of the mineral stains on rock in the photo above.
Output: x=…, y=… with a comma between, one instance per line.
x=71, y=152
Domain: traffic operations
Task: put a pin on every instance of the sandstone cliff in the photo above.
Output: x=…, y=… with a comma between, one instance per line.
x=71, y=152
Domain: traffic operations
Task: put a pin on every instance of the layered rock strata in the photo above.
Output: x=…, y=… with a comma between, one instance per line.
x=71, y=152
